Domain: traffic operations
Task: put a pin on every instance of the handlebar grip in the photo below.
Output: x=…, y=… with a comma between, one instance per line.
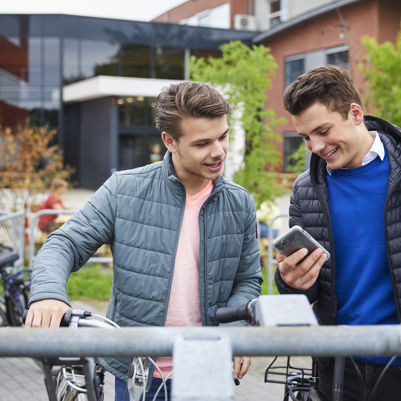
x=229, y=314
x=65, y=321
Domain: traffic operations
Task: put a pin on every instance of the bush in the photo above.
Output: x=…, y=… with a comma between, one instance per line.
x=91, y=282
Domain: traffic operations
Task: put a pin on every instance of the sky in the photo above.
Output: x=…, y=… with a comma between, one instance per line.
x=140, y=10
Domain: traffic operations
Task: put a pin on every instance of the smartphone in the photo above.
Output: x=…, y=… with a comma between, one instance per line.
x=296, y=239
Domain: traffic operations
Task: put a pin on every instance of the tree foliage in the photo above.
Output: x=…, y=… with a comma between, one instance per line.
x=244, y=75
x=381, y=69
x=28, y=162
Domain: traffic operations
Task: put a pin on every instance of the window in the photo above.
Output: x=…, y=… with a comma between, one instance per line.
x=293, y=68
x=276, y=12
x=169, y=62
x=136, y=110
x=338, y=58
x=292, y=142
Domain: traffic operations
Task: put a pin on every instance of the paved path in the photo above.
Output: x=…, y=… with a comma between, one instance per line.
x=21, y=379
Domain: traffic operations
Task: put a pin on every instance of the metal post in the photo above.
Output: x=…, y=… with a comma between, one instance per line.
x=270, y=254
x=191, y=359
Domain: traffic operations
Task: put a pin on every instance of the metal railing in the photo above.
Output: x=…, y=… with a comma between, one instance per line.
x=376, y=340
x=206, y=343
x=17, y=222
x=33, y=221
x=270, y=260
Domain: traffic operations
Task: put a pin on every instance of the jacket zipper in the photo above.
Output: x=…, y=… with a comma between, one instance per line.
x=173, y=263
x=330, y=230
x=202, y=237
x=390, y=190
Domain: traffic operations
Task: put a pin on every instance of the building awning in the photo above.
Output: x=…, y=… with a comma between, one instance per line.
x=105, y=86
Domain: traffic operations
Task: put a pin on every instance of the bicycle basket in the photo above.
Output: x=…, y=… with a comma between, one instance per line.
x=299, y=382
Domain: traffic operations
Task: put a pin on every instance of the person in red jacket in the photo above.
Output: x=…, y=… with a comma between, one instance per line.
x=57, y=190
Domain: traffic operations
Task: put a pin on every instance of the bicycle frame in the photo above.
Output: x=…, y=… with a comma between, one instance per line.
x=76, y=378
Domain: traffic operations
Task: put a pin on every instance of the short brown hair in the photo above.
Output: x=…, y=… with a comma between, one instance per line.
x=193, y=99
x=58, y=183
x=329, y=85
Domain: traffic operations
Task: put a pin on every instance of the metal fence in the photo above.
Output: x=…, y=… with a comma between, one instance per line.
x=193, y=377
x=12, y=233
x=270, y=260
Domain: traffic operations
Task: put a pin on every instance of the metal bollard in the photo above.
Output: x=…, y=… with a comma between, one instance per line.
x=202, y=370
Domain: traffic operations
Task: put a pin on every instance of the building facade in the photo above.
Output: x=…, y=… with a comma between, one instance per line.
x=95, y=80
x=330, y=34
x=301, y=35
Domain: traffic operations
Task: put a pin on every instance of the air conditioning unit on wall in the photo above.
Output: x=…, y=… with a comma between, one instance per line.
x=245, y=21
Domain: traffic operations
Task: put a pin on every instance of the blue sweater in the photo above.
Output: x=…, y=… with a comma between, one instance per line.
x=363, y=282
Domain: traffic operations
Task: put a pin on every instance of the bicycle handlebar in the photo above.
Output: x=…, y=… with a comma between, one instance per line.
x=80, y=318
x=229, y=314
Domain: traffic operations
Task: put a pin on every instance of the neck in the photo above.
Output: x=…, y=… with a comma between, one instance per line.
x=194, y=186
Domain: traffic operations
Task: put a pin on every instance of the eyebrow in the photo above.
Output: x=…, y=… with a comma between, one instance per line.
x=208, y=139
x=319, y=127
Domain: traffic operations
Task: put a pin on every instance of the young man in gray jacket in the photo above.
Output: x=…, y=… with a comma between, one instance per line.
x=183, y=237
x=350, y=201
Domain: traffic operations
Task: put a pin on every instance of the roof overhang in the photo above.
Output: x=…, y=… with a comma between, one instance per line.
x=303, y=18
x=105, y=86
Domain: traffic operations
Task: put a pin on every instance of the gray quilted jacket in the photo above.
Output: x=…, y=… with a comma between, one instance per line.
x=309, y=208
x=139, y=213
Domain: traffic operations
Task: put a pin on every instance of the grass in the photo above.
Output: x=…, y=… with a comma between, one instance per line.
x=94, y=282
x=265, y=283
x=90, y=282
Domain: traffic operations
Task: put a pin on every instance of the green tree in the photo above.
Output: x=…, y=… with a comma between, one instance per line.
x=244, y=75
x=381, y=69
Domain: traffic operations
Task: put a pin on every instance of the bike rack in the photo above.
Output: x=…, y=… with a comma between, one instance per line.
x=17, y=222
x=203, y=355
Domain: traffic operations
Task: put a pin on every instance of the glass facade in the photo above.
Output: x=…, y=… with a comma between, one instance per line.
x=39, y=54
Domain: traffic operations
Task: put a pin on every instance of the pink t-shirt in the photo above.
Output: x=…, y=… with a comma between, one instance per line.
x=184, y=304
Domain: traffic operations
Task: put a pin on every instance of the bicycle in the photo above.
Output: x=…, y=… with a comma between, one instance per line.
x=76, y=378
x=299, y=383
x=292, y=310
x=16, y=287
x=82, y=378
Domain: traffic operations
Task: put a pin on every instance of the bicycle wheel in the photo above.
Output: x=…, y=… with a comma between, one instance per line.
x=15, y=306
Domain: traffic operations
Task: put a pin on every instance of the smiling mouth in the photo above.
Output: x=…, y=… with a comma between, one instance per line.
x=331, y=153
x=215, y=165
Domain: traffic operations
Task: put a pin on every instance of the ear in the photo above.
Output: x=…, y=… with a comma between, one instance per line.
x=169, y=142
x=356, y=113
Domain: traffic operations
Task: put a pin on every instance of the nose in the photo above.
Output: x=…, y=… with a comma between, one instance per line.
x=218, y=150
x=315, y=145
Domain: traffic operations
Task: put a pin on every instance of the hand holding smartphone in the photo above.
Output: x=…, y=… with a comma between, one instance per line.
x=295, y=239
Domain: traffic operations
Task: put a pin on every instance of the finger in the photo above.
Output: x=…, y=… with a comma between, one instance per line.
x=290, y=263
x=308, y=270
x=29, y=318
x=245, y=364
x=57, y=316
x=237, y=366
